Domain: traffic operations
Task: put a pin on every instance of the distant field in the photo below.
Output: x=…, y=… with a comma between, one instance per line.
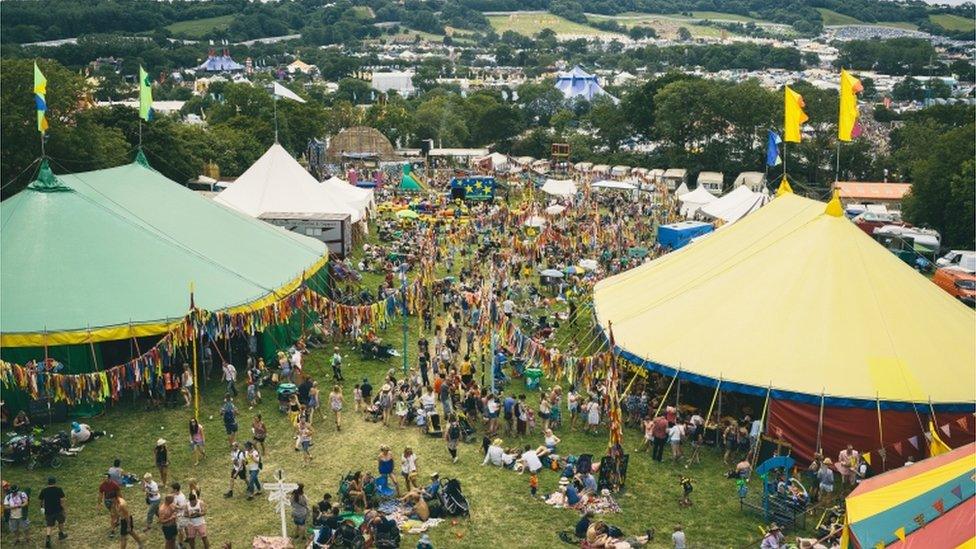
x=666, y=26
x=529, y=24
x=898, y=25
x=719, y=16
x=196, y=28
x=831, y=17
x=952, y=22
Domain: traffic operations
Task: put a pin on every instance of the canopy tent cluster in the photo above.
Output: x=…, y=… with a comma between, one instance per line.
x=734, y=205
x=804, y=309
x=563, y=188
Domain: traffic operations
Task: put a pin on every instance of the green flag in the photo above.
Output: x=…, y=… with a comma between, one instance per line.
x=145, y=95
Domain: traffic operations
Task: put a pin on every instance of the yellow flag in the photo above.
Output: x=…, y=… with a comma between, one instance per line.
x=793, y=115
x=847, y=127
x=867, y=457
x=936, y=445
x=900, y=533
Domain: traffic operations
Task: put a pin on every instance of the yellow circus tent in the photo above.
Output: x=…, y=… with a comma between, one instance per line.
x=794, y=302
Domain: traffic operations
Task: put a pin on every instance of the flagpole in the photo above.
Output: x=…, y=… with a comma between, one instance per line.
x=274, y=100
x=837, y=172
x=140, y=133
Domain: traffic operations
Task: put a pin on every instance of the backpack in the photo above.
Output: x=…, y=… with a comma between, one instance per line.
x=229, y=414
x=454, y=433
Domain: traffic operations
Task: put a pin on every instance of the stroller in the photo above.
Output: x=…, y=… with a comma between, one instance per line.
x=348, y=536
x=453, y=502
x=434, y=425
x=467, y=431
x=386, y=534
x=284, y=392
x=33, y=449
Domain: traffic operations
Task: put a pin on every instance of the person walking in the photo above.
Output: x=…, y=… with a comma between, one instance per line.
x=167, y=522
x=305, y=440
x=336, y=365
x=197, y=442
x=254, y=466
x=299, y=511
x=229, y=414
x=237, y=462
x=408, y=468
x=259, y=431
x=196, y=527
x=52, y=505
x=335, y=402
x=452, y=435
x=108, y=490
x=126, y=524
x=230, y=378
x=153, y=499
x=161, y=457
x=660, y=433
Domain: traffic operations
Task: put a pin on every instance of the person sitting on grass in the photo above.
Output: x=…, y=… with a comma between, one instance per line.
x=419, y=510
x=601, y=535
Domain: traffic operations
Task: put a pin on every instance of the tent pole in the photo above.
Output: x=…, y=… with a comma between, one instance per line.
x=880, y=432
x=762, y=424
x=196, y=376
x=666, y=393
x=820, y=423
x=718, y=424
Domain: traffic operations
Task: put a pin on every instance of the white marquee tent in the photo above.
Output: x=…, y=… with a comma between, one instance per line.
x=735, y=205
x=560, y=187
x=357, y=197
x=692, y=201
x=277, y=183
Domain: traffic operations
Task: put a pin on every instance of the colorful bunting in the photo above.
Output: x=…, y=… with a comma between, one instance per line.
x=897, y=446
x=939, y=506
x=957, y=491
x=900, y=533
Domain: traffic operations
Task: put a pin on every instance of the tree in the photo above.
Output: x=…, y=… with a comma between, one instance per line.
x=943, y=195
x=539, y=101
x=684, y=34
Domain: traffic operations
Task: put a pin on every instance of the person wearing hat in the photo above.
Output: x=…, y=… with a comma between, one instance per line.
x=424, y=542
x=82, y=433
x=153, y=499
x=496, y=455
x=161, y=457
x=774, y=538
x=825, y=479
x=386, y=402
x=433, y=489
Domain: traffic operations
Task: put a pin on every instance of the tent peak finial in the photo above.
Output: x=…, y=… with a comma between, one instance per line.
x=834, y=207
x=46, y=181
x=784, y=187
x=141, y=159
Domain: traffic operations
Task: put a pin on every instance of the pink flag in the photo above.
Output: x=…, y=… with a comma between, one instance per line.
x=914, y=441
x=945, y=429
x=897, y=446
x=962, y=423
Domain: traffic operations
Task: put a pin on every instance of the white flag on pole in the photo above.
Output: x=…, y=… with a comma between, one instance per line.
x=281, y=91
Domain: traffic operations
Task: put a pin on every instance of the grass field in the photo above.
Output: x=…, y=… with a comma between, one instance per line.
x=720, y=16
x=666, y=26
x=197, y=28
x=953, y=22
x=831, y=17
x=529, y=24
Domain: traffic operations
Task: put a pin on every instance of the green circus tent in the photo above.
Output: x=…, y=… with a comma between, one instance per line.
x=111, y=254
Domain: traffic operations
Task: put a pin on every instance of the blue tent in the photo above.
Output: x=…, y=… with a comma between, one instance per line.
x=579, y=83
x=475, y=187
x=220, y=63
x=679, y=234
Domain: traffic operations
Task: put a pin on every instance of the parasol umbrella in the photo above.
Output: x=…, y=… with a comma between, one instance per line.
x=574, y=269
x=407, y=214
x=638, y=252
x=535, y=221
x=555, y=209
x=588, y=264
x=552, y=273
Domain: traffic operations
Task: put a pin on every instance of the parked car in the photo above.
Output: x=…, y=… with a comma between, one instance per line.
x=869, y=221
x=959, y=283
x=965, y=260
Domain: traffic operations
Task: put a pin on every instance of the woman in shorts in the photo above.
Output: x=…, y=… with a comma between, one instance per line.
x=299, y=511
x=196, y=527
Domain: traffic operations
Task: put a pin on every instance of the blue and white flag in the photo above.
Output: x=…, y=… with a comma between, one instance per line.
x=772, y=149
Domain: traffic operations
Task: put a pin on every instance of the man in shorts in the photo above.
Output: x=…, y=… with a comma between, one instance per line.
x=229, y=414
x=127, y=525
x=238, y=460
x=108, y=491
x=167, y=521
x=52, y=502
x=15, y=503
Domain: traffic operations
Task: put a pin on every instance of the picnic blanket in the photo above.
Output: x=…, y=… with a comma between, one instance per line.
x=399, y=512
x=594, y=504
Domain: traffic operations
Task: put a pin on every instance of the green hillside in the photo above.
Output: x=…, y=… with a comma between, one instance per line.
x=197, y=28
